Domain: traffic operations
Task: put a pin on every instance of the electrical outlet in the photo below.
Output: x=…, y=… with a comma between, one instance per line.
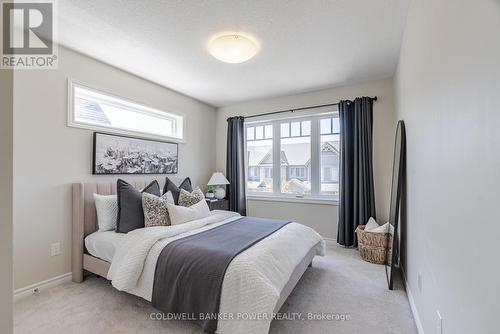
x=439, y=323
x=420, y=282
x=55, y=249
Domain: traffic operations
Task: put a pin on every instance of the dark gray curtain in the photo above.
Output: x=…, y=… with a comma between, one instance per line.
x=235, y=165
x=357, y=197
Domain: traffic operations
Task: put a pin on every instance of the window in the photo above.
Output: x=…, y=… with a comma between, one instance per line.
x=268, y=172
x=295, y=157
x=296, y=151
x=329, y=155
x=326, y=174
x=92, y=109
x=260, y=158
x=298, y=172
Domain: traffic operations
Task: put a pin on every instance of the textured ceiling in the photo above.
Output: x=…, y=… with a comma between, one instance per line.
x=305, y=45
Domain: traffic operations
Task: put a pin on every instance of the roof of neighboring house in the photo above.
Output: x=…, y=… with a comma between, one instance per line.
x=331, y=146
x=291, y=154
x=90, y=111
x=297, y=154
x=268, y=159
x=256, y=155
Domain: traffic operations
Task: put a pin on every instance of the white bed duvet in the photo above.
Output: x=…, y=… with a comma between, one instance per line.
x=252, y=283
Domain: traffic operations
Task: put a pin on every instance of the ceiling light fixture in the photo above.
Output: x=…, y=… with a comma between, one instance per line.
x=233, y=48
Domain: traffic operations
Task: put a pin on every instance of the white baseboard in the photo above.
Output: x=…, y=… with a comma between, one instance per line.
x=38, y=287
x=413, y=307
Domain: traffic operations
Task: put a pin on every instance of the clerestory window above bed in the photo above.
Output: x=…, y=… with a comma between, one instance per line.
x=96, y=110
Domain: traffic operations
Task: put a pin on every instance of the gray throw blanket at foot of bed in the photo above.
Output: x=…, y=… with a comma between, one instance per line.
x=189, y=271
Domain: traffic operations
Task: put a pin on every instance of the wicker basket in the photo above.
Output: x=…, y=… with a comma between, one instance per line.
x=373, y=246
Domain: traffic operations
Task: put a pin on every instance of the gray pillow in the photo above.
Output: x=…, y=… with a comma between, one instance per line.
x=130, y=213
x=170, y=186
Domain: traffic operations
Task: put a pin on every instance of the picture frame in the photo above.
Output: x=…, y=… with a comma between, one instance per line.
x=118, y=154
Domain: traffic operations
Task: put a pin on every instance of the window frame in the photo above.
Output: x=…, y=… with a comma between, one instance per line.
x=315, y=168
x=144, y=108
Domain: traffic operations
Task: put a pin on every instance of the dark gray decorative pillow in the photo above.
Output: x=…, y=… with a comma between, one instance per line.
x=155, y=209
x=170, y=186
x=130, y=213
x=187, y=199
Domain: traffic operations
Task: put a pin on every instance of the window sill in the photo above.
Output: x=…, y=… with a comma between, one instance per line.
x=130, y=133
x=303, y=200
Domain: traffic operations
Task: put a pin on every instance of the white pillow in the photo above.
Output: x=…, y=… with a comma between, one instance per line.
x=107, y=211
x=381, y=229
x=180, y=214
x=372, y=224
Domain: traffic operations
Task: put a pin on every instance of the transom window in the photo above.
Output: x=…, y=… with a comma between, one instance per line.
x=295, y=157
x=96, y=110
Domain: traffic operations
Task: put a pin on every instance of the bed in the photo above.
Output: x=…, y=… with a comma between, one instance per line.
x=260, y=279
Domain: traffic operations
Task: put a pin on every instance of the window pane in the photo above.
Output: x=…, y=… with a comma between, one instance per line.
x=326, y=126
x=285, y=129
x=259, y=132
x=336, y=125
x=260, y=166
x=329, y=164
x=109, y=112
x=295, y=165
x=306, y=128
x=250, y=133
x=295, y=129
x=268, y=131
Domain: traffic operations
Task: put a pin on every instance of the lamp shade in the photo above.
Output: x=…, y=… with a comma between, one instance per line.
x=217, y=179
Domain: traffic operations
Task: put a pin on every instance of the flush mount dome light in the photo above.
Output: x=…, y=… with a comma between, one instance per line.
x=233, y=48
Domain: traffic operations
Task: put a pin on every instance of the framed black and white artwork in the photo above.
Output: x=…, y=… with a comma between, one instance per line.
x=115, y=154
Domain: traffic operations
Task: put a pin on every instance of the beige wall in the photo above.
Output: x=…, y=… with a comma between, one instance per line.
x=49, y=156
x=321, y=217
x=6, y=108
x=448, y=85
x=325, y=217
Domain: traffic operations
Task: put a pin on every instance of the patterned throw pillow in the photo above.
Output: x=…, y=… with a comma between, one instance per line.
x=155, y=209
x=187, y=199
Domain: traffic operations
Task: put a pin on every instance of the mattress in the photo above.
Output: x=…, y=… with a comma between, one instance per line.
x=103, y=244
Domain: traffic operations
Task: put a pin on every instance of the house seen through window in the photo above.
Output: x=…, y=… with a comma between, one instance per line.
x=308, y=161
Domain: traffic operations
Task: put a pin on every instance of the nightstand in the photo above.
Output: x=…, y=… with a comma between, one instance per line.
x=221, y=204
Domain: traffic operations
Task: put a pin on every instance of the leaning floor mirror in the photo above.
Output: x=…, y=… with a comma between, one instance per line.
x=393, y=239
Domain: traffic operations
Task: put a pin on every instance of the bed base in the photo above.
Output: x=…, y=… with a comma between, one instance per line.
x=294, y=278
x=95, y=265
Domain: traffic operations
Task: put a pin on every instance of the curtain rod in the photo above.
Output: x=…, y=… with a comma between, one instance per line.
x=298, y=109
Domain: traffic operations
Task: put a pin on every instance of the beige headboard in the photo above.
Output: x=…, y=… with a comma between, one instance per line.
x=85, y=216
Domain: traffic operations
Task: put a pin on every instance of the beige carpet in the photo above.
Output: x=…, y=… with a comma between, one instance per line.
x=339, y=283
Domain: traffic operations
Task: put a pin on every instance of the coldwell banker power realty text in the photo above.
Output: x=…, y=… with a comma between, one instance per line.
x=28, y=32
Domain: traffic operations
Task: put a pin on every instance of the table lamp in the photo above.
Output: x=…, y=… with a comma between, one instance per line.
x=219, y=180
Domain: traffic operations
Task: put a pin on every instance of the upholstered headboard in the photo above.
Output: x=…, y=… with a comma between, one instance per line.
x=84, y=212
x=85, y=216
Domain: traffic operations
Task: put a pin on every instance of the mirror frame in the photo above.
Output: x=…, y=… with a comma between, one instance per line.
x=397, y=176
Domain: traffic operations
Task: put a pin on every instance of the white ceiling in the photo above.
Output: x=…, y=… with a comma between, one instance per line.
x=305, y=44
